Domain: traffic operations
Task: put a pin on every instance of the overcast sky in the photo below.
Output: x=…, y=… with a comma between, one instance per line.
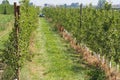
x=42, y=2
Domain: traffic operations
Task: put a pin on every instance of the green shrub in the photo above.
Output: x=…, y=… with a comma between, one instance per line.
x=97, y=74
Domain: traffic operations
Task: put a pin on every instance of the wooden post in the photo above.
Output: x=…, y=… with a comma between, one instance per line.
x=103, y=59
x=18, y=11
x=15, y=5
x=65, y=9
x=16, y=25
x=80, y=15
x=80, y=20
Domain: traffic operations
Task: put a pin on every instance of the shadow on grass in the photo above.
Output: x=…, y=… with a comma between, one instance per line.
x=81, y=66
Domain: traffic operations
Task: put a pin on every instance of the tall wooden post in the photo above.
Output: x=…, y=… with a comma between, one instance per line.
x=16, y=25
x=80, y=20
x=80, y=15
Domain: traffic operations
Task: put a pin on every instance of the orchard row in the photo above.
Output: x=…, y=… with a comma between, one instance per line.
x=97, y=29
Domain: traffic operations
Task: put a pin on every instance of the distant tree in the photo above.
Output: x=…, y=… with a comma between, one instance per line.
x=65, y=5
x=101, y=3
x=5, y=2
x=31, y=3
x=74, y=5
x=107, y=6
x=45, y=5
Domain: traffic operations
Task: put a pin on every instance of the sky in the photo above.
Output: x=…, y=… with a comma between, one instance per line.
x=85, y=2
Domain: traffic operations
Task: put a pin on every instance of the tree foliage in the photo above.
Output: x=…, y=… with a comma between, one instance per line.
x=13, y=57
x=99, y=31
x=107, y=6
x=6, y=8
x=5, y=2
x=101, y=3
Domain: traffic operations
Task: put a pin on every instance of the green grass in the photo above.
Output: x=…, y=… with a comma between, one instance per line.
x=6, y=24
x=8, y=74
x=54, y=59
x=4, y=21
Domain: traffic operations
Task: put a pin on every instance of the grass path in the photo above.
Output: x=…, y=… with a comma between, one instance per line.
x=54, y=59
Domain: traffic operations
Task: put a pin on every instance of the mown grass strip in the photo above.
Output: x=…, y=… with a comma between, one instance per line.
x=54, y=59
